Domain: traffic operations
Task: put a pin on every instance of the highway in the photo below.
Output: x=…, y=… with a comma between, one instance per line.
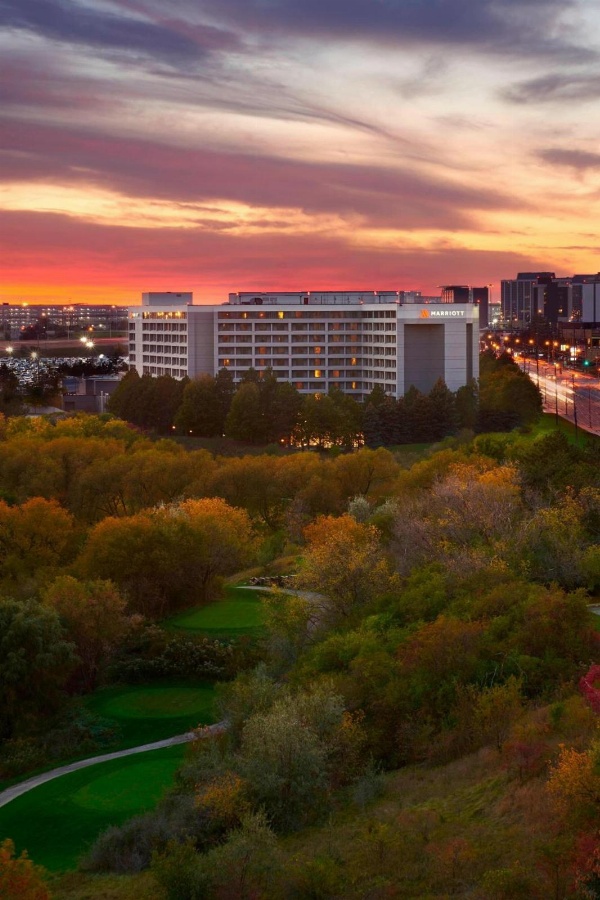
x=569, y=394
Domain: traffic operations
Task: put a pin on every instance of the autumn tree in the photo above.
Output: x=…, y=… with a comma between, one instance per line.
x=20, y=879
x=169, y=556
x=345, y=562
x=34, y=538
x=574, y=782
x=93, y=614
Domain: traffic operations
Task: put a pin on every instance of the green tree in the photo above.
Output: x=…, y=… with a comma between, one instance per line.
x=35, y=663
x=201, y=410
x=466, y=403
x=286, y=756
x=244, y=421
x=442, y=404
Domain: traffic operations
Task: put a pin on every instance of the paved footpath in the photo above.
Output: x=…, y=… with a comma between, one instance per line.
x=23, y=787
x=16, y=790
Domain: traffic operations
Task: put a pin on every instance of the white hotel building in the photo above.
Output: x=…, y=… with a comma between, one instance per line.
x=352, y=340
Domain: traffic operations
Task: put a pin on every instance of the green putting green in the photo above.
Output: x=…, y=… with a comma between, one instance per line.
x=240, y=612
x=146, y=713
x=58, y=821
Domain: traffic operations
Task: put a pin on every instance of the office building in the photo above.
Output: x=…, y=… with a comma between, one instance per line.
x=522, y=304
x=318, y=340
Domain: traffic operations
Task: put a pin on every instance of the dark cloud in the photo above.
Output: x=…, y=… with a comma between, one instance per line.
x=575, y=159
x=506, y=26
x=74, y=23
x=384, y=197
x=555, y=88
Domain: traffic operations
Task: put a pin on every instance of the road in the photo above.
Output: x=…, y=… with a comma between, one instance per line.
x=569, y=394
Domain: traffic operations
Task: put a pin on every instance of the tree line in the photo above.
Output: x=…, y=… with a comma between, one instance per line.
x=262, y=410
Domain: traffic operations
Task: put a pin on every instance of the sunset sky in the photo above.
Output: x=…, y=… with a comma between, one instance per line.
x=220, y=145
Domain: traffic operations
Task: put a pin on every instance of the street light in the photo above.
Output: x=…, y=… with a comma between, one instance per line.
x=574, y=407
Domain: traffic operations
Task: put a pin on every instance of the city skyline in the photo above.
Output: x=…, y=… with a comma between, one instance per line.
x=234, y=145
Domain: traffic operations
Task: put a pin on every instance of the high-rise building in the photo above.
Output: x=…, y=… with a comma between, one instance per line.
x=481, y=297
x=590, y=297
x=520, y=298
x=318, y=340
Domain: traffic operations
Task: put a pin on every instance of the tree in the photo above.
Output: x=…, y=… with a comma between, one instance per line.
x=286, y=755
x=35, y=663
x=20, y=879
x=93, y=614
x=414, y=417
x=11, y=401
x=370, y=473
x=345, y=562
x=169, y=556
x=244, y=420
x=33, y=537
x=574, y=782
x=507, y=396
x=284, y=412
x=442, y=404
x=466, y=402
x=166, y=399
x=124, y=399
x=200, y=412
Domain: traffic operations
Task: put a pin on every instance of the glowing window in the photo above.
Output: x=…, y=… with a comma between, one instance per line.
x=317, y=373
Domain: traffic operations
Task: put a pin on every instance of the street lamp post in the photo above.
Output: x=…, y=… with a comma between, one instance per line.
x=574, y=406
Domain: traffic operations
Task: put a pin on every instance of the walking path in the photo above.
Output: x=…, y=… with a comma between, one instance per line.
x=23, y=787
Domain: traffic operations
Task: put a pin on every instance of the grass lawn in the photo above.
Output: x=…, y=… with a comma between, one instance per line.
x=146, y=713
x=547, y=424
x=57, y=821
x=239, y=612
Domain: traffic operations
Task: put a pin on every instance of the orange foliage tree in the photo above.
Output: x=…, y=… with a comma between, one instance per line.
x=169, y=556
x=345, y=562
x=20, y=879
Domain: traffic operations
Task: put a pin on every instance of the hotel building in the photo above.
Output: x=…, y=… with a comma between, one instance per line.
x=352, y=340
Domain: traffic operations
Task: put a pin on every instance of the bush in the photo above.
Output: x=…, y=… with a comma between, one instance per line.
x=128, y=848
x=78, y=732
x=179, y=872
x=182, y=657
